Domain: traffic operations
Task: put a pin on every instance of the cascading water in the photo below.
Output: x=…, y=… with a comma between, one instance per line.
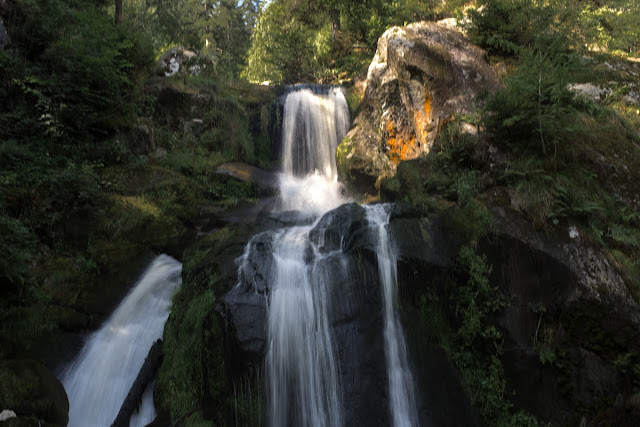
x=302, y=373
x=303, y=268
x=401, y=394
x=312, y=127
x=98, y=381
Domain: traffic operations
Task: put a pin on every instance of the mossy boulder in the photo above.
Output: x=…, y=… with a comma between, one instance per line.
x=33, y=393
x=195, y=380
x=421, y=77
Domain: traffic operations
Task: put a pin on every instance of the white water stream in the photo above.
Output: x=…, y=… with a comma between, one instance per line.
x=100, y=377
x=302, y=375
x=401, y=393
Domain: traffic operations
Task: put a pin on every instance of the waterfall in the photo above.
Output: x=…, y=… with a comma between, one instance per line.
x=301, y=369
x=301, y=269
x=312, y=128
x=98, y=380
x=401, y=393
x=302, y=373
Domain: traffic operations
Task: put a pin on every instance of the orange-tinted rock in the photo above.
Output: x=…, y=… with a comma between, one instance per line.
x=422, y=75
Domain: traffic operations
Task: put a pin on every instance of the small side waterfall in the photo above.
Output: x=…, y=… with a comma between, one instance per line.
x=98, y=381
x=401, y=393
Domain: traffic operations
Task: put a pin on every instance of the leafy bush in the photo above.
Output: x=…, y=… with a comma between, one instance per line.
x=503, y=26
x=536, y=111
x=78, y=75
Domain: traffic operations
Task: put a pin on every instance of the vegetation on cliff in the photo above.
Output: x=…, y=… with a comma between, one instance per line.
x=103, y=161
x=564, y=158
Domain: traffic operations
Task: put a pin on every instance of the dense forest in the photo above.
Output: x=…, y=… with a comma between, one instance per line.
x=105, y=159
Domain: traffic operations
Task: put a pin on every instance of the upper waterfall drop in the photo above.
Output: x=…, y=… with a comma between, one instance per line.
x=313, y=126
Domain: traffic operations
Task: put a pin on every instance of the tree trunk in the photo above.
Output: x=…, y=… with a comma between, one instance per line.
x=334, y=18
x=118, y=11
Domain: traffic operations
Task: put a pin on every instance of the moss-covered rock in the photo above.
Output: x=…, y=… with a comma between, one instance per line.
x=421, y=77
x=33, y=393
x=195, y=380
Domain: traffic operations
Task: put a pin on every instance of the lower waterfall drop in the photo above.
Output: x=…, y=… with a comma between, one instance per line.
x=302, y=373
x=100, y=377
x=401, y=393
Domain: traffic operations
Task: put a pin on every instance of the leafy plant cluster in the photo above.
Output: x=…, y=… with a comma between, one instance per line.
x=464, y=324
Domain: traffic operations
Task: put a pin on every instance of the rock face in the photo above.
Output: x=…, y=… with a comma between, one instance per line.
x=345, y=244
x=567, y=300
x=180, y=59
x=421, y=76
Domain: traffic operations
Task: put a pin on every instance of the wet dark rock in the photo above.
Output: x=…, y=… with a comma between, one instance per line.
x=246, y=313
x=441, y=400
x=357, y=326
x=338, y=226
x=404, y=210
x=423, y=240
x=255, y=270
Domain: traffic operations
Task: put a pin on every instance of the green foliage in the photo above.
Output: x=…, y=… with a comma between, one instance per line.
x=477, y=345
x=216, y=28
x=249, y=398
x=536, y=110
x=282, y=49
x=193, y=374
x=77, y=76
x=325, y=40
x=506, y=27
x=181, y=381
x=16, y=253
x=455, y=176
x=614, y=25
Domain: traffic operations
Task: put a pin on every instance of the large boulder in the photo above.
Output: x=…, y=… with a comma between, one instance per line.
x=422, y=75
